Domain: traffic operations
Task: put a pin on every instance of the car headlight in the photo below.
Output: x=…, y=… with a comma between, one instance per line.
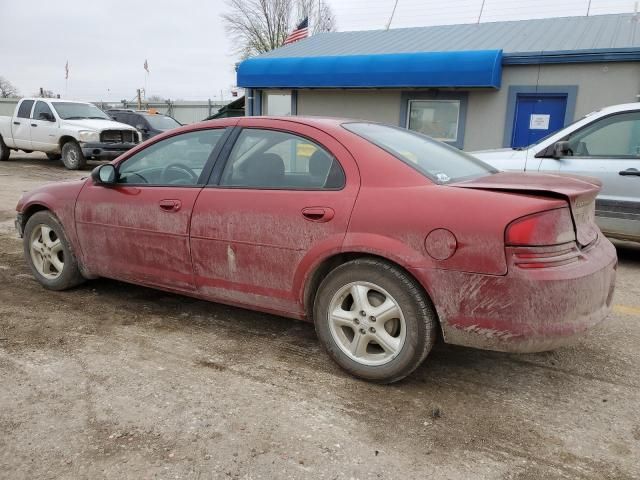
x=88, y=136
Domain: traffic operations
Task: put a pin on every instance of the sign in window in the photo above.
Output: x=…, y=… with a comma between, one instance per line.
x=438, y=119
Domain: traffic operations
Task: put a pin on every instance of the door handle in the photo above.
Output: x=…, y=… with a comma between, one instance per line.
x=630, y=172
x=16, y=123
x=34, y=124
x=318, y=214
x=170, y=205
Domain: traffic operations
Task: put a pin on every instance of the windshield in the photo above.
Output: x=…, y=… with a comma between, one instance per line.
x=436, y=160
x=161, y=122
x=74, y=111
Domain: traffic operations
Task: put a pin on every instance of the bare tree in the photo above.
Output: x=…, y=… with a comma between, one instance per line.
x=155, y=98
x=321, y=17
x=7, y=89
x=258, y=26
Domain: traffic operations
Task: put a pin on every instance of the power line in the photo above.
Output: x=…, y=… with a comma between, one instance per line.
x=392, y=14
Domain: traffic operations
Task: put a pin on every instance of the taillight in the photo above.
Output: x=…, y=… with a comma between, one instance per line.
x=552, y=227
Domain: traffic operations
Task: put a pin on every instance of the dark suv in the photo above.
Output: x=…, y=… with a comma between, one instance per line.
x=147, y=123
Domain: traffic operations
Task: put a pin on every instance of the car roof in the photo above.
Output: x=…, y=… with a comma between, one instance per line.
x=57, y=100
x=620, y=108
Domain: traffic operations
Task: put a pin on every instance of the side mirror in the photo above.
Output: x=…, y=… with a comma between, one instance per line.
x=141, y=127
x=561, y=149
x=104, y=174
x=46, y=116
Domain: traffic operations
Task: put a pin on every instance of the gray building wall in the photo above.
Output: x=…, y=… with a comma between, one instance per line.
x=598, y=85
x=379, y=105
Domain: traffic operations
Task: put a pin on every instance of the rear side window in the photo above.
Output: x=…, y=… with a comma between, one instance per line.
x=123, y=118
x=281, y=160
x=135, y=120
x=25, y=109
x=436, y=160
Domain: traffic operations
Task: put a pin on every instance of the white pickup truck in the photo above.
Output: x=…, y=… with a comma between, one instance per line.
x=73, y=131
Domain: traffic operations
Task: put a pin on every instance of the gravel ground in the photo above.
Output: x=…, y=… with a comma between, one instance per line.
x=116, y=381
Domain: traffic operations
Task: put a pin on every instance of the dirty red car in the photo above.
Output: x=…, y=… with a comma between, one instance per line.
x=384, y=238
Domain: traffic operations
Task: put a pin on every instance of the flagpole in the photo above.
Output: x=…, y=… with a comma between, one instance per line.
x=66, y=79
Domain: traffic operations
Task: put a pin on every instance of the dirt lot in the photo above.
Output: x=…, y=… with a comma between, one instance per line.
x=116, y=381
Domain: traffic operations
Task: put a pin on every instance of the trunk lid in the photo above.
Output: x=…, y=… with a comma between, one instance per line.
x=579, y=192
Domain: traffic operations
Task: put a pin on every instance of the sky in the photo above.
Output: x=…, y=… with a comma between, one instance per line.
x=184, y=42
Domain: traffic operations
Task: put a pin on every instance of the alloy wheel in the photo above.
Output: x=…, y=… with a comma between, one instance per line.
x=367, y=323
x=46, y=252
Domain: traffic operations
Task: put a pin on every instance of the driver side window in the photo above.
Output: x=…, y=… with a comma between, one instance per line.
x=615, y=136
x=178, y=160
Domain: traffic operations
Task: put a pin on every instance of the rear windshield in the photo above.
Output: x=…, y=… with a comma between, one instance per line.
x=160, y=122
x=435, y=160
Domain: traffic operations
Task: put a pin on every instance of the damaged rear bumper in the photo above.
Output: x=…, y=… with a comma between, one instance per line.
x=528, y=309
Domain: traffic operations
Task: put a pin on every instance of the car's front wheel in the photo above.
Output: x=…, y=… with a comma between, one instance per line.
x=49, y=254
x=374, y=320
x=72, y=156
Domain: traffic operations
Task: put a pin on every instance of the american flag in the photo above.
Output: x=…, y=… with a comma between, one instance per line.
x=301, y=31
x=146, y=65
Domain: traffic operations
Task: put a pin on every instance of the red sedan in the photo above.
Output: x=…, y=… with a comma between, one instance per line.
x=382, y=237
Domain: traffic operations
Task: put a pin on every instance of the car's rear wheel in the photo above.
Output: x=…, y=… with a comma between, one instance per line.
x=4, y=151
x=49, y=254
x=374, y=320
x=72, y=156
x=54, y=156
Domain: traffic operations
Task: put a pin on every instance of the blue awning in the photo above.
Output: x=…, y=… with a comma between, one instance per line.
x=481, y=68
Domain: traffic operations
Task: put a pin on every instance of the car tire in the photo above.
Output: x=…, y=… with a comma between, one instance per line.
x=387, y=333
x=4, y=151
x=72, y=156
x=54, y=156
x=49, y=254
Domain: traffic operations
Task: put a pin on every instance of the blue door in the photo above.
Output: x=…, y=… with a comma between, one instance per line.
x=537, y=115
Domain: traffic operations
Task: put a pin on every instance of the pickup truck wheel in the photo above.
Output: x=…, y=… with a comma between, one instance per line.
x=72, y=156
x=49, y=254
x=4, y=151
x=374, y=320
x=54, y=156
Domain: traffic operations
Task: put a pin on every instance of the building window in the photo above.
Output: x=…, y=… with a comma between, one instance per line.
x=439, y=119
x=276, y=103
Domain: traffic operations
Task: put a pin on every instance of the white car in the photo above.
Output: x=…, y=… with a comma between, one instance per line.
x=73, y=131
x=604, y=144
